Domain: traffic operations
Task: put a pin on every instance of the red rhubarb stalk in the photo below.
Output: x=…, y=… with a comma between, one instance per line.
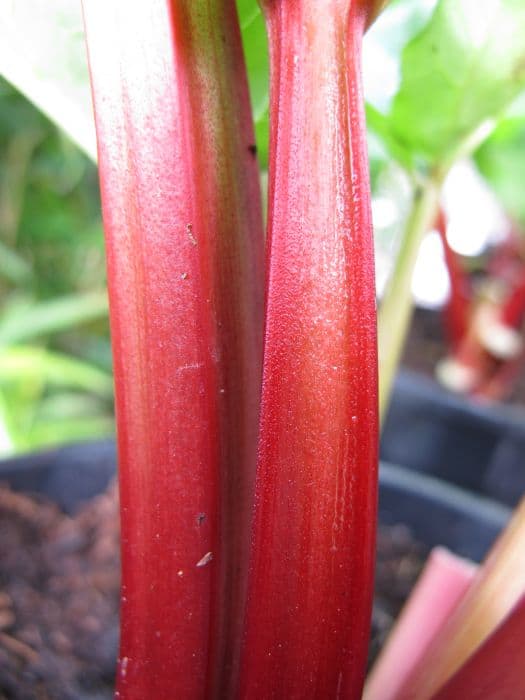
x=184, y=245
x=495, y=671
x=311, y=584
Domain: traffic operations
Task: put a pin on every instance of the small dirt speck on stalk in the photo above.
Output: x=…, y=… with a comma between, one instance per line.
x=189, y=229
x=205, y=560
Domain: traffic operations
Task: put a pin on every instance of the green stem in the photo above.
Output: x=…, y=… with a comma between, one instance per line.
x=396, y=307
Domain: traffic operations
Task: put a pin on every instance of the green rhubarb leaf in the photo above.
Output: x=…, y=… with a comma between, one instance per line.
x=42, y=53
x=458, y=74
x=382, y=47
x=501, y=160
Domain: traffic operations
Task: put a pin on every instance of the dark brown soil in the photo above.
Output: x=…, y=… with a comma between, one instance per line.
x=59, y=579
x=399, y=561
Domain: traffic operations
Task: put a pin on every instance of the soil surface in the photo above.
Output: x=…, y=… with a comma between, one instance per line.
x=59, y=592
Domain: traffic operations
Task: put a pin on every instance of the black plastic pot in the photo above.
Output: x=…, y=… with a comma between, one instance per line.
x=439, y=513
x=69, y=475
x=479, y=448
x=436, y=512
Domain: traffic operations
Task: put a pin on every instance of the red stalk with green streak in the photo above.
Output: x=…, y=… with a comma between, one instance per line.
x=183, y=227
x=307, y=625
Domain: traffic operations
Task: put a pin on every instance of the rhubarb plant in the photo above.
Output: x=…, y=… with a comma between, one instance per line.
x=248, y=436
x=493, y=671
x=461, y=628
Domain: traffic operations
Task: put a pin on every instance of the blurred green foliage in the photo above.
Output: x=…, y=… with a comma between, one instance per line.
x=501, y=159
x=55, y=367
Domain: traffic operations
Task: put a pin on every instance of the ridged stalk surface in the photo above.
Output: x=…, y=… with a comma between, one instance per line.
x=183, y=226
x=308, y=614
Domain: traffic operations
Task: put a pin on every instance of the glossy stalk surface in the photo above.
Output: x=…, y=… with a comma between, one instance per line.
x=182, y=218
x=311, y=581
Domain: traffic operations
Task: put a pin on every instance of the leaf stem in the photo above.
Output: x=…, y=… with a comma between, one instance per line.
x=396, y=306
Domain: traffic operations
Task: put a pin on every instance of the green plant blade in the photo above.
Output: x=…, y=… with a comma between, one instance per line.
x=42, y=54
x=36, y=364
x=501, y=160
x=461, y=70
x=61, y=431
x=46, y=317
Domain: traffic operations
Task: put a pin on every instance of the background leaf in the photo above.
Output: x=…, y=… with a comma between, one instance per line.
x=42, y=53
x=47, y=317
x=501, y=160
x=461, y=70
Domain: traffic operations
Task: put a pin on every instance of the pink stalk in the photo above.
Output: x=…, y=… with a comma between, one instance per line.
x=444, y=581
x=507, y=257
x=495, y=671
x=184, y=243
x=311, y=581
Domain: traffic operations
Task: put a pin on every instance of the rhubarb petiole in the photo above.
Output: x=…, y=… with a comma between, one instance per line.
x=396, y=306
x=495, y=671
x=311, y=580
x=183, y=226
